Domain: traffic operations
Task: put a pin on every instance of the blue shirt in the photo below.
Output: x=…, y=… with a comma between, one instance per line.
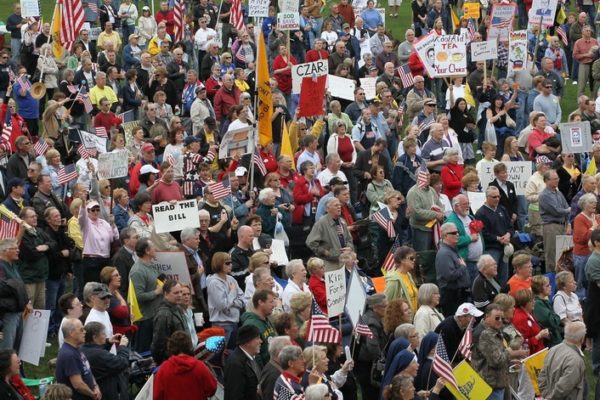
x=29, y=108
x=71, y=362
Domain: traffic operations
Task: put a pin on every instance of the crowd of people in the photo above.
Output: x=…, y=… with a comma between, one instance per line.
x=378, y=186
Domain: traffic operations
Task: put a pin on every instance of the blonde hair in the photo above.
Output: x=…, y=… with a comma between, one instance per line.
x=313, y=352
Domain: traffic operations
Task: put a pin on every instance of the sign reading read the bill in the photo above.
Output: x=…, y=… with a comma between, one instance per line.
x=171, y=217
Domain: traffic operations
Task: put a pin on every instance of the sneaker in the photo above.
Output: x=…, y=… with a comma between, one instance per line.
x=574, y=83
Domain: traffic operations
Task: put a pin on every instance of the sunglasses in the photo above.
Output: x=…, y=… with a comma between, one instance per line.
x=95, y=209
x=452, y=233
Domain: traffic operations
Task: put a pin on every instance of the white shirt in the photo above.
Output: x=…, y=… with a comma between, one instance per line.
x=326, y=175
x=104, y=319
x=203, y=36
x=290, y=290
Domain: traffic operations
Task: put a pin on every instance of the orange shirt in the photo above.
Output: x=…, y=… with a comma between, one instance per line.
x=516, y=284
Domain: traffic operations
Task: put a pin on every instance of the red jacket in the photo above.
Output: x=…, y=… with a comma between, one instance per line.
x=17, y=122
x=317, y=287
x=302, y=196
x=415, y=64
x=224, y=100
x=314, y=55
x=182, y=377
x=169, y=18
x=452, y=175
x=284, y=79
x=528, y=327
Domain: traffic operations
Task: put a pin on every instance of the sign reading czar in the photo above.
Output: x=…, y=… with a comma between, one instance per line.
x=307, y=70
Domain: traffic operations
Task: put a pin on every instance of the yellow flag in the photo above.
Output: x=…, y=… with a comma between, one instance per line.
x=57, y=48
x=533, y=365
x=469, y=96
x=136, y=313
x=455, y=20
x=286, y=145
x=591, y=169
x=561, y=17
x=265, y=102
x=471, y=386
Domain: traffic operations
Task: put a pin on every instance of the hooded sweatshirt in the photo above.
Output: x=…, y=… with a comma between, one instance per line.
x=182, y=375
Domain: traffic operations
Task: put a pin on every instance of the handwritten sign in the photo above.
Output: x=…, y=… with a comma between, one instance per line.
x=369, y=85
x=30, y=8
x=91, y=141
x=113, y=165
x=307, y=70
x=476, y=199
x=288, y=21
x=482, y=51
x=172, y=265
x=519, y=173
x=576, y=137
x=517, y=50
x=175, y=217
x=341, y=87
x=426, y=52
x=502, y=21
x=450, y=56
x=258, y=8
x=290, y=6
x=472, y=10
x=542, y=11
x=33, y=342
x=335, y=288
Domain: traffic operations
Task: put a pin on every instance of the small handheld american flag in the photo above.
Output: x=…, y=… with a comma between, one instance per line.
x=441, y=363
x=471, y=29
x=423, y=176
x=320, y=330
x=406, y=76
x=101, y=132
x=466, y=342
x=363, y=329
x=8, y=227
x=171, y=159
x=24, y=82
x=66, y=174
x=86, y=153
x=41, y=147
x=562, y=34
x=85, y=99
x=384, y=219
x=260, y=164
x=93, y=6
x=388, y=262
x=220, y=190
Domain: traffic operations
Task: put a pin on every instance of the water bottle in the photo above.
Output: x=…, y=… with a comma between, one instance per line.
x=42, y=388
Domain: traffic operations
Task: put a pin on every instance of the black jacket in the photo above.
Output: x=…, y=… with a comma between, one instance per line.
x=123, y=261
x=371, y=348
x=494, y=224
x=168, y=319
x=103, y=11
x=17, y=167
x=241, y=377
x=59, y=264
x=109, y=369
x=508, y=201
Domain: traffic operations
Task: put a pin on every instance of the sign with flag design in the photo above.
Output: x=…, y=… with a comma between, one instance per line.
x=502, y=21
x=175, y=217
x=543, y=11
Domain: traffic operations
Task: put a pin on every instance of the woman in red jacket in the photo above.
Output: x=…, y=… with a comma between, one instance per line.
x=316, y=283
x=282, y=71
x=526, y=323
x=451, y=174
x=307, y=192
x=182, y=376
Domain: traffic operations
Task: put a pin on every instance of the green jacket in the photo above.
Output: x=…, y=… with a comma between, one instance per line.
x=419, y=203
x=266, y=331
x=547, y=318
x=143, y=277
x=395, y=288
x=464, y=239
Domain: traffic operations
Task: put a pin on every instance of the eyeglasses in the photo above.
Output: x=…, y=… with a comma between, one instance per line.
x=452, y=233
x=498, y=319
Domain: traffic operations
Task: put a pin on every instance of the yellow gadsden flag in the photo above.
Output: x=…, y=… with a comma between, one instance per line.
x=57, y=48
x=471, y=386
x=136, y=313
x=265, y=102
x=286, y=144
x=533, y=365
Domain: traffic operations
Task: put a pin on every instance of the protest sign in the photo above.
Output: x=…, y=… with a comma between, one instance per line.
x=258, y=8
x=91, y=141
x=335, y=290
x=341, y=87
x=172, y=265
x=307, y=70
x=517, y=50
x=502, y=21
x=288, y=21
x=576, y=137
x=278, y=254
x=290, y=6
x=519, y=173
x=563, y=243
x=356, y=298
x=471, y=385
x=472, y=10
x=369, y=86
x=482, y=51
x=175, y=217
x=113, y=165
x=237, y=142
x=33, y=341
x=476, y=199
x=533, y=365
x=147, y=391
x=450, y=56
x=30, y=8
x=542, y=11
x=426, y=52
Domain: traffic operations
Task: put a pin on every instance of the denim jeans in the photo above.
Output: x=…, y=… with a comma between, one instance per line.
x=522, y=119
x=472, y=270
x=498, y=254
x=12, y=328
x=579, y=265
x=521, y=212
x=54, y=289
x=15, y=49
x=497, y=394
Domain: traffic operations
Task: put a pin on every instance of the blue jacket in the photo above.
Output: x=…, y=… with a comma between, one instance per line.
x=29, y=108
x=129, y=61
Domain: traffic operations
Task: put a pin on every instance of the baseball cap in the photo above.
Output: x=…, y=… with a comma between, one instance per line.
x=542, y=160
x=200, y=88
x=191, y=139
x=92, y=204
x=147, y=147
x=14, y=182
x=148, y=168
x=240, y=171
x=100, y=290
x=467, y=309
x=133, y=35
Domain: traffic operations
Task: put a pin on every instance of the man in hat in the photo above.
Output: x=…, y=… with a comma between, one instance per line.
x=97, y=297
x=241, y=369
x=189, y=94
x=132, y=52
x=15, y=200
x=417, y=97
x=370, y=348
x=169, y=318
x=453, y=328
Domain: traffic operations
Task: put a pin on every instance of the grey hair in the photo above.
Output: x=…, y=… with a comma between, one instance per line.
x=316, y=392
x=68, y=326
x=586, y=178
x=491, y=189
x=449, y=153
x=88, y=289
x=575, y=331
x=258, y=274
x=586, y=199
x=483, y=261
x=276, y=344
x=203, y=213
x=290, y=268
x=188, y=233
x=6, y=244
x=404, y=330
x=457, y=198
x=264, y=193
x=330, y=157
x=447, y=226
x=127, y=233
x=287, y=354
x=100, y=74
x=66, y=72
x=426, y=292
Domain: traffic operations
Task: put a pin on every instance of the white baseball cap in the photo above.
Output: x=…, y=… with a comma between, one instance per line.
x=467, y=309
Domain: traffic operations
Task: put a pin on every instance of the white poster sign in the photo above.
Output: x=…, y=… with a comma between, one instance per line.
x=288, y=21
x=30, y=8
x=563, y=242
x=172, y=265
x=289, y=6
x=450, y=56
x=33, y=341
x=91, y=141
x=146, y=393
x=502, y=21
x=278, y=254
x=175, y=217
x=341, y=87
x=542, y=11
x=236, y=143
x=426, y=52
x=369, y=85
x=519, y=173
x=576, y=137
x=113, y=165
x=517, y=50
x=476, y=199
x=482, y=51
x=335, y=288
x=258, y=8
x=307, y=70
x=356, y=298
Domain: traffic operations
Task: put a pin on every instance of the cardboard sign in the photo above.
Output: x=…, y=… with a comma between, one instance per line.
x=172, y=265
x=576, y=137
x=542, y=11
x=335, y=289
x=237, y=143
x=288, y=21
x=290, y=6
x=30, y=8
x=369, y=85
x=147, y=391
x=278, y=254
x=563, y=242
x=307, y=70
x=502, y=21
x=472, y=10
x=91, y=141
x=482, y=51
x=476, y=199
x=341, y=87
x=426, y=52
x=519, y=173
x=258, y=8
x=33, y=342
x=356, y=298
x=450, y=56
x=113, y=165
x=175, y=217
x=517, y=50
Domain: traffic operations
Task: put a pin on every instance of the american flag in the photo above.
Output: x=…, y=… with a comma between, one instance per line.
x=101, y=132
x=236, y=18
x=86, y=153
x=406, y=76
x=363, y=329
x=8, y=227
x=11, y=75
x=220, y=190
x=93, y=6
x=7, y=128
x=260, y=164
x=562, y=34
x=23, y=82
x=471, y=28
x=320, y=330
x=423, y=176
x=425, y=124
x=384, y=219
x=466, y=342
x=85, y=99
x=388, y=262
x=40, y=147
x=72, y=89
x=67, y=174
x=179, y=11
x=441, y=363
x=72, y=20
x=286, y=391
x=171, y=159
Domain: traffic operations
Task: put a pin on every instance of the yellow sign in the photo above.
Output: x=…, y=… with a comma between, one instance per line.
x=534, y=364
x=471, y=386
x=471, y=10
